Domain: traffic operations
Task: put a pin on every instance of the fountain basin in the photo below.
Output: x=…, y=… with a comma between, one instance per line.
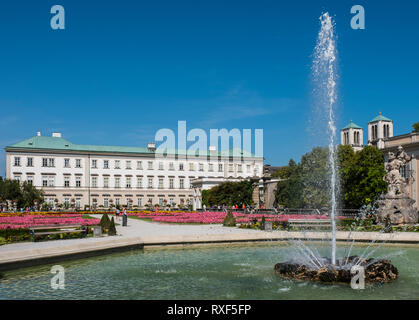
x=376, y=270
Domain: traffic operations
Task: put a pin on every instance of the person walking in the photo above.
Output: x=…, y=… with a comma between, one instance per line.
x=117, y=214
x=204, y=207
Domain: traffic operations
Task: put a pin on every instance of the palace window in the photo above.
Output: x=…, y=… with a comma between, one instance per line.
x=150, y=165
x=180, y=166
x=106, y=182
x=78, y=163
x=140, y=202
x=191, y=167
x=201, y=167
x=220, y=167
x=171, y=183
x=17, y=161
x=94, y=164
x=160, y=165
x=117, y=164
x=181, y=183
x=230, y=167
x=66, y=181
x=139, y=165
x=239, y=168
x=45, y=181
x=106, y=202
x=29, y=162
x=30, y=179
x=105, y=164
x=117, y=183
x=44, y=162
x=66, y=163
x=160, y=183
x=248, y=168
x=128, y=182
x=78, y=181
x=128, y=165
x=51, y=162
x=94, y=182
x=51, y=181
x=139, y=182
x=210, y=167
x=150, y=183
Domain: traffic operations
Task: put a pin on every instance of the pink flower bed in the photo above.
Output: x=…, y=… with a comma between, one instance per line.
x=218, y=217
x=26, y=221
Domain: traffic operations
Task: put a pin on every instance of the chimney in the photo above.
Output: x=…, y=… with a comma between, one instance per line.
x=38, y=133
x=151, y=146
x=56, y=134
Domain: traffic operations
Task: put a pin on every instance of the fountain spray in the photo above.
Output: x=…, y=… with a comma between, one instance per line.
x=324, y=71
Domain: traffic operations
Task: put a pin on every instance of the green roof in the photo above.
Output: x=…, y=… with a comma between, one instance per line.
x=380, y=117
x=57, y=143
x=352, y=125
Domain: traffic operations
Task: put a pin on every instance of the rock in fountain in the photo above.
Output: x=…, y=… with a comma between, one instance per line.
x=376, y=271
x=396, y=204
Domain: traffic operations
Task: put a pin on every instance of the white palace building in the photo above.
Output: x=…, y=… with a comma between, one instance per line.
x=100, y=176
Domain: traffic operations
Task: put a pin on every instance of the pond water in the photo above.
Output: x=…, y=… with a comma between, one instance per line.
x=222, y=272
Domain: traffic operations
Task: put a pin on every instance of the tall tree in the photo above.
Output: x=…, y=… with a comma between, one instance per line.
x=315, y=178
x=415, y=127
x=365, y=180
x=24, y=193
x=307, y=184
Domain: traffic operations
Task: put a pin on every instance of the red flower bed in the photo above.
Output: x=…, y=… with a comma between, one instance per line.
x=218, y=217
x=25, y=221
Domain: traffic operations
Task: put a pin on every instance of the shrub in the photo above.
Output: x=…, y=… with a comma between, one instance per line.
x=262, y=223
x=105, y=222
x=229, y=220
x=112, y=228
x=388, y=228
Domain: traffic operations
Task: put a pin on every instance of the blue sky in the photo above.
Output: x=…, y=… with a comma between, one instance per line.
x=123, y=69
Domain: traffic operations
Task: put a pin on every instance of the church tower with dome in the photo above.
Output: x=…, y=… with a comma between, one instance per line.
x=379, y=129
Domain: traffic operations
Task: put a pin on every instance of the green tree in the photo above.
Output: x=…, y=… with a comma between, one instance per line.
x=229, y=193
x=283, y=172
x=365, y=178
x=307, y=184
x=288, y=192
x=30, y=194
x=315, y=178
x=24, y=193
x=415, y=127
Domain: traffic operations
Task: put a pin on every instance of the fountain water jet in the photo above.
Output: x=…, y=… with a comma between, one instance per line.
x=307, y=264
x=324, y=70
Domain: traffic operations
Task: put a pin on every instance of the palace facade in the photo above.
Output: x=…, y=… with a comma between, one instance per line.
x=103, y=176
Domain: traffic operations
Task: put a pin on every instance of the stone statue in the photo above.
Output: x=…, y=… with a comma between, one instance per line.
x=396, y=183
x=396, y=204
